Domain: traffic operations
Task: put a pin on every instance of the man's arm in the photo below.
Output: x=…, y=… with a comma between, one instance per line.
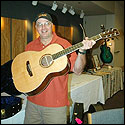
x=79, y=64
x=81, y=58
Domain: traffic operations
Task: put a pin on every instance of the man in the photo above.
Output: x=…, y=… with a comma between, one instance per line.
x=50, y=106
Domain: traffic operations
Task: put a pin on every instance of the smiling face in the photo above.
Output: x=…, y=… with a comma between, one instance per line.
x=44, y=28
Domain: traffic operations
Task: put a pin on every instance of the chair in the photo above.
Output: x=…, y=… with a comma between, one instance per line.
x=109, y=116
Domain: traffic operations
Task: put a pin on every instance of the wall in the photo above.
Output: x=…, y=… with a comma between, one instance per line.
x=13, y=38
x=25, y=10
x=92, y=25
x=116, y=20
x=119, y=45
x=107, y=5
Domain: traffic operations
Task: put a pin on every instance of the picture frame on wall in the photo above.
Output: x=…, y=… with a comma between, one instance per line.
x=96, y=62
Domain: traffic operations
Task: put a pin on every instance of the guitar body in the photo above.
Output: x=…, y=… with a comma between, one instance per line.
x=32, y=71
x=106, y=56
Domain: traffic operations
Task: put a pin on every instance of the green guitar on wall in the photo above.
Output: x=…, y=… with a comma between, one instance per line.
x=106, y=55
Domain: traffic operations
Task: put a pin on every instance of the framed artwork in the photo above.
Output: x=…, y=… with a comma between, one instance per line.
x=96, y=62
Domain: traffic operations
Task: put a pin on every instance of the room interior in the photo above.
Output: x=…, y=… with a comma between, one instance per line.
x=77, y=20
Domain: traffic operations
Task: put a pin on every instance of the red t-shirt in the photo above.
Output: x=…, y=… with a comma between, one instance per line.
x=56, y=93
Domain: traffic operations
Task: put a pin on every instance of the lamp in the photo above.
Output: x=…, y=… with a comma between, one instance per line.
x=82, y=14
x=34, y=3
x=71, y=11
x=54, y=7
x=64, y=9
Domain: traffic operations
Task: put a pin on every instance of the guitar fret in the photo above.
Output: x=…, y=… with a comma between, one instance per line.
x=75, y=47
x=67, y=51
x=96, y=38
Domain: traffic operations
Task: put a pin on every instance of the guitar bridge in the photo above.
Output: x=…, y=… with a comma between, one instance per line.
x=29, y=68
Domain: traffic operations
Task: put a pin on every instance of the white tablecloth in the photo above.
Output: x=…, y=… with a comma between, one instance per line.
x=87, y=89
x=112, y=80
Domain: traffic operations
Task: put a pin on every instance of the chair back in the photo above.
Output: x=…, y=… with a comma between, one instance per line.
x=110, y=116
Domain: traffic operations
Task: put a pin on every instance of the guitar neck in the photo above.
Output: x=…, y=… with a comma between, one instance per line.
x=74, y=47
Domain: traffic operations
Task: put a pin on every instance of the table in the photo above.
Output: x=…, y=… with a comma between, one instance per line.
x=112, y=80
x=86, y=89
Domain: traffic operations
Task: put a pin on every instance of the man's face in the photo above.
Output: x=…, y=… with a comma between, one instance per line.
x=44, y=28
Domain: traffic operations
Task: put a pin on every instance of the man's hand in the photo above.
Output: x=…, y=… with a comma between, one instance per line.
x=87, y=44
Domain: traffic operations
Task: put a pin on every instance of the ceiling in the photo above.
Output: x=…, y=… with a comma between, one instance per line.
x=89, y=7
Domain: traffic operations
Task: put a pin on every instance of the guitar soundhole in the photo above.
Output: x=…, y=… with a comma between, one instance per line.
x=29, y=68
x=46, y=61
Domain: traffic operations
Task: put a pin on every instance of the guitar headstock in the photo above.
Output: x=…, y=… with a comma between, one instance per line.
x=110, y=33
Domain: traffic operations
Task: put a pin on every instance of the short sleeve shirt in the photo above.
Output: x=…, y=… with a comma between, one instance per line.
x=56, y=93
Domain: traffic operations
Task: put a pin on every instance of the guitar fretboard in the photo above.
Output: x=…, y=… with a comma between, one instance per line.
x=74, y=47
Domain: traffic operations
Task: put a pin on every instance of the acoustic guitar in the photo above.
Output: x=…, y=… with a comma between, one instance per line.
x=32, y=71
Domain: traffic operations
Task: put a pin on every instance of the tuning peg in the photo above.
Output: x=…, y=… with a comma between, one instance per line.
x=110, y=35
x=102, y=26
x=115, y=34
x=106, y=36
x=111, y=29
x=107, y=40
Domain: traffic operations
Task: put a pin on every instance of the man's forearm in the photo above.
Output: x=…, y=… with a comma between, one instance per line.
x=79, y=64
